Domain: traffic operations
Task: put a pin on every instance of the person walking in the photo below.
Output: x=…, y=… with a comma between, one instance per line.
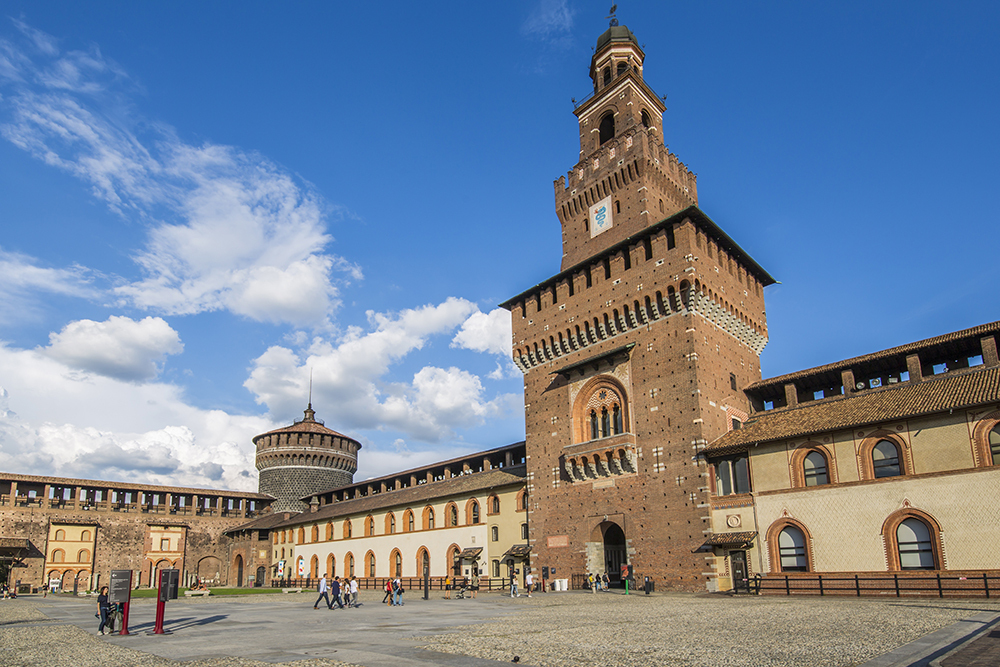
x=397, y=592
x=513, y=585
x=475, y=584
x=102, y=609
x=387, y=599
x=529, y=582
x=447, y=588
x=335, y=592
x=354, y=591
x=323, y=594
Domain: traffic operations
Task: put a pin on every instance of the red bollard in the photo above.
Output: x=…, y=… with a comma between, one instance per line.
x=124, y=630
x=160, y=606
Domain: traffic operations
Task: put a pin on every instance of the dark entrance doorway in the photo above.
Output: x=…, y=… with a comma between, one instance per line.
x=259, y=580
x=738, y=565
x=239, y=571
x=614, y=551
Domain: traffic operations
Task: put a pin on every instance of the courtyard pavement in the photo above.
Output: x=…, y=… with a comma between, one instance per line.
x=554, y=630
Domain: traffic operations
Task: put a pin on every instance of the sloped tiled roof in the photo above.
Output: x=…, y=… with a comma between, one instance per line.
x=414, y=494
x=974, y=332
x=265, y=522
x=961, y=390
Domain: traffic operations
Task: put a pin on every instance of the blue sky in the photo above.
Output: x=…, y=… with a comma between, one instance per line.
x=199, y=202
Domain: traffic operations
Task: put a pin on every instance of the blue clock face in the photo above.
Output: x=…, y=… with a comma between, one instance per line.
x=600, y=217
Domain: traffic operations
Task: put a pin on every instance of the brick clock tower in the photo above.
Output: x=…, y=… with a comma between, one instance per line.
x=634, y=353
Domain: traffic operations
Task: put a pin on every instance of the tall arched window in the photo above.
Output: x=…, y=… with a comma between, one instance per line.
x=397, y=563
x=607, y=75
x=814, y=469
x=605, y=423
x=83, y=556
x=60, y=534
x=792, y=550
x=885, y=459
x=371, y=564
x=606, y=131
x=390, y=523
x=617, y=419
x=329, y=531
x=408, y=521
x=995, y=445
x=595, y=430
x=85, y=536
x=645, y=123
x=370, y=526
x=495, y=505
x=347, y=528
x=495, y=534
x=58, y=556
x=472, y=512
x=914, y=544
x=331, y=565
x=452, y=515
x=315, y=533
x=622, y=68
x=428, y=518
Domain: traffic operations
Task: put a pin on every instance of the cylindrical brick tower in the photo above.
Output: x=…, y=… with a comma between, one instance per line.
x=302, y=459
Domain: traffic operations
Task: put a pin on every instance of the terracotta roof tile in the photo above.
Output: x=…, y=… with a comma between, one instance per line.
x=974, y=332
x=414, y=494
x=961, y=390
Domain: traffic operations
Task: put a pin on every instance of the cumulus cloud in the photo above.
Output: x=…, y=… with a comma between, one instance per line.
x=228, y=229
x=120, y=347
x=347, y=377
x=142, y=433
x=486, y=332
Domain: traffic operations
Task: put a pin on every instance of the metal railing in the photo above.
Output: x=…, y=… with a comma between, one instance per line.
x=931, y=585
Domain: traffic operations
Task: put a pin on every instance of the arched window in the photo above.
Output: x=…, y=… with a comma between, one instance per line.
x=428, y=518
x=329, y=532
x=423, y=561
x=622, y=68
x=617, y=419
x=396, y=559
x=607, y=75
x=282, y=552
x=390, y=523
x=408, y=521
x=331, y=565
x=347, y=528
x=83, y=556
x=914, y=545
x=369, y=526
x=453, y=560
x=814, y=469
x=302, y=536
x=60, y=534
x=605, y=423
x=371, y=564
x=885, y=459
x=85, y=536
x=645, y=123
x=314, y=566
x=595, y=431
x=792, y=550
x=522, y=501
x=494, y=505
x=495, y=533
x=349, y=565
x=606, y=130
x=58, y=556
x=315, y=533
x=995, y=445
x=452, y=515
x=472, y=512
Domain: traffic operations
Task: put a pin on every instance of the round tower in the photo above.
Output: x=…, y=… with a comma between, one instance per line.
x=303, y=459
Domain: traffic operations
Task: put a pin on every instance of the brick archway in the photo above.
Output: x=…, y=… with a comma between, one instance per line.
x=590, y=398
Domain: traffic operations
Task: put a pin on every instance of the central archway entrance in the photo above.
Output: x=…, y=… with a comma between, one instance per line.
x=614, y=551
x=239, y=570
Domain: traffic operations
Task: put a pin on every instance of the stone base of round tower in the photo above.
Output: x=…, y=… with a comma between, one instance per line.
x=290, y=484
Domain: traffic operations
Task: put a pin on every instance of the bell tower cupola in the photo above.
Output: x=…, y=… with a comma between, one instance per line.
x=626, y=179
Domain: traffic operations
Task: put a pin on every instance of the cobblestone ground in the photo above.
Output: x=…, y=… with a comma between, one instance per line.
x=628, y=631
x=27, y=639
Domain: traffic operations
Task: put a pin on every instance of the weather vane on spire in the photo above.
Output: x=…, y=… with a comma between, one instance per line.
x=310, y=387
x=614, y=19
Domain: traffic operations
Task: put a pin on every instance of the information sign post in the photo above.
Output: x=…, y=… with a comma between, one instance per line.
x=120, y=592
x=166, y=590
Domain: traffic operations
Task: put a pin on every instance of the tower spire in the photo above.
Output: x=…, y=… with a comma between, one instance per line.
x=613, y=20
x=310, y=414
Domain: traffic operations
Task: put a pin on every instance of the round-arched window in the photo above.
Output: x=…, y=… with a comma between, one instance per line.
x=814, y=467
x=607, y=128
x=916, y=551
x=995, y=444
x=885, y=459
x=792, y=550
x=645, y=119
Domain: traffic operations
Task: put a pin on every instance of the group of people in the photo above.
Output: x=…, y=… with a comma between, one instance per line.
x=7, y=592
x=472, y=588
x=343, y=594
x=598, y=582
x=394, y=592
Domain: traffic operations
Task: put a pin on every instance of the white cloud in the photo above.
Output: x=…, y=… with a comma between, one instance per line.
x=486, y=332
x=550, y=18
x=120, y=347
x=347, y=377
x=228, y=229
x=141, y=433
x=23, y=279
